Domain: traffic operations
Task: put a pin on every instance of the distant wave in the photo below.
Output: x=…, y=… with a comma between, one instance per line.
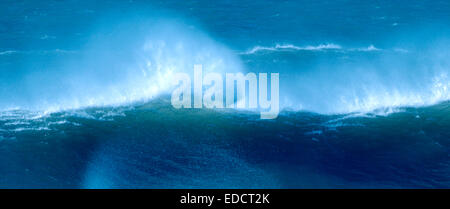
x=56, y=51
x=8, y=52
x=280, y=47
x=321, y=47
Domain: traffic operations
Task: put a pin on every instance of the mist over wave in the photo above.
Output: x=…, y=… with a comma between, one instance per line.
x=130, y=60
x=333, y=79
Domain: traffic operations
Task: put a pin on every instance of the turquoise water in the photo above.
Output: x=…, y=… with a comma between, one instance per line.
x=364, y=91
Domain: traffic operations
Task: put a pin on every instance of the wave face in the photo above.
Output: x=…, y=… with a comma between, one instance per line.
x=364, y=92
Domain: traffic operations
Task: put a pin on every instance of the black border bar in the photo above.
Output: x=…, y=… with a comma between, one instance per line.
x=274, y=198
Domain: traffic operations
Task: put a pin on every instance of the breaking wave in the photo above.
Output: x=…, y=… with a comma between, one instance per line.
x=133, y=63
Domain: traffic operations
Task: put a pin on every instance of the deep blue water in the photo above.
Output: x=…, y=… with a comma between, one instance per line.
x=364, y=91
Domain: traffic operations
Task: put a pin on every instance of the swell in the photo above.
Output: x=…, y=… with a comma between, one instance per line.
x=154, y=146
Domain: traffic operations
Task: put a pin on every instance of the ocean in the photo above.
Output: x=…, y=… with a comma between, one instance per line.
x=85, y=94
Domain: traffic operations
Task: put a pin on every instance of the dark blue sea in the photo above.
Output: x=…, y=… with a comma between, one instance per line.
x=85, y=94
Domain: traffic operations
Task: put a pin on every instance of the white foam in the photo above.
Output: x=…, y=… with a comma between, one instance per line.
x=31, y=129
